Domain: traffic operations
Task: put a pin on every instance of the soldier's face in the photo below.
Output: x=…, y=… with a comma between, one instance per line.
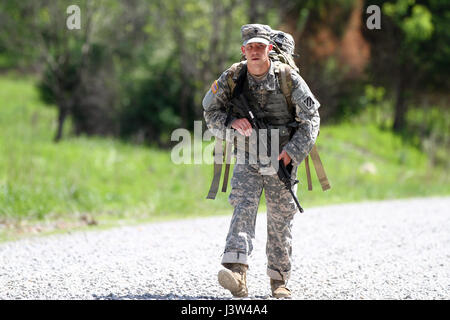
x=256, y=52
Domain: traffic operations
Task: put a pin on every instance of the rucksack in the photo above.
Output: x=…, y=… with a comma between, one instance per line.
x=283, y=55
x=283, y=48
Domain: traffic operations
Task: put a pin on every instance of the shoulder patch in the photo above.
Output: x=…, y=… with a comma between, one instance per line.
x=310, y=103
x=214, y=87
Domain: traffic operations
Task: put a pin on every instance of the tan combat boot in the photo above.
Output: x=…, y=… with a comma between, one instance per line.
x=279, y=289
x=234, y=278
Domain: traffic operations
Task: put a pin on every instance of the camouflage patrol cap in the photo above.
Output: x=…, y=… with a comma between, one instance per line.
x=255, y=33
x=283, y=40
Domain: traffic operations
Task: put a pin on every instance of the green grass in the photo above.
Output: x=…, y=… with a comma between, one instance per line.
x=115, y=181
x=401, y=170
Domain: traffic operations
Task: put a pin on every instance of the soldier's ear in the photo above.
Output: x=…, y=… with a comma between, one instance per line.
x=243, y=50
x=270, y=47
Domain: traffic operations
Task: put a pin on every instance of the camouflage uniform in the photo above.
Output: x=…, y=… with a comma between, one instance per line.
x=249, y=180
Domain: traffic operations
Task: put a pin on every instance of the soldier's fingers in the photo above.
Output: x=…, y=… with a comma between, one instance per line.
x=286, y=159
x=244, y=126
x=237, y=125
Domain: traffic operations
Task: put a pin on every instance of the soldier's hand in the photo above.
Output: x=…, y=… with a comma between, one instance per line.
x=286, y=158
x=242, y=126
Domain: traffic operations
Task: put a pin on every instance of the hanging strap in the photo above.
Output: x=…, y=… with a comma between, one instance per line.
x=218, y=156
x=227, y=166
x=218, y=147
x=308, y=173
x=320, y=171
x=286, y=87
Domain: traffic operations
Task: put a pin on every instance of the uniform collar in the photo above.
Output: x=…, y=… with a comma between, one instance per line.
x=268, y=84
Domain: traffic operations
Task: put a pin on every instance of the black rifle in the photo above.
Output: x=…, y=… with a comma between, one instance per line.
x=283, y=172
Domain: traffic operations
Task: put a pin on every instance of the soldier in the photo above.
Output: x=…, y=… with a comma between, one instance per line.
x=298, y=129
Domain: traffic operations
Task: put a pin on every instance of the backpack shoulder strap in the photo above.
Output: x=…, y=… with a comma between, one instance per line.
x=233, y=73
x=283, y=72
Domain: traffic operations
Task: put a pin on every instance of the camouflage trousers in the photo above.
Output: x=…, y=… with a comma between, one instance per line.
x=247, y=184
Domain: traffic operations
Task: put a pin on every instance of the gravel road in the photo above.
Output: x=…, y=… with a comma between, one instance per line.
x=396, y=249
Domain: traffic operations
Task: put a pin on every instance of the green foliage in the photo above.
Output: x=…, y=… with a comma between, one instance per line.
x=427, y=126
x=39, y=179
x=151, y=106
x=148, y=67
x=417, y=26
x=409, y=55
x=163, y=55
x=364, y=162
x=423, y=42
x=110, y=179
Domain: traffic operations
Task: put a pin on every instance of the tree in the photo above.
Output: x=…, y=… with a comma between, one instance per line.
x=409, y=51
x=78, y=70
x=319, y=29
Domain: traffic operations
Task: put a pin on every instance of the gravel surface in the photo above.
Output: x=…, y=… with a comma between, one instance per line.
x=396, y=249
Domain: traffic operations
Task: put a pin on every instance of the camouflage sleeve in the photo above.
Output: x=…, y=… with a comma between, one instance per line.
x=307, y=115
x=214, y=106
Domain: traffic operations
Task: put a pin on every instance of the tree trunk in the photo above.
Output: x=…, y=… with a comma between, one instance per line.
x=62, y=114
x=253, y=12
x=401, y=106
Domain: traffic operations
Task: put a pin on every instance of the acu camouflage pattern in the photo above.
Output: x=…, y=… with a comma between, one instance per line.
x=283, y=49
x=250, y=31
x=306, y=108
x=248, y=180
x=246, y=188
x=268, y=103
x=283, y=40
